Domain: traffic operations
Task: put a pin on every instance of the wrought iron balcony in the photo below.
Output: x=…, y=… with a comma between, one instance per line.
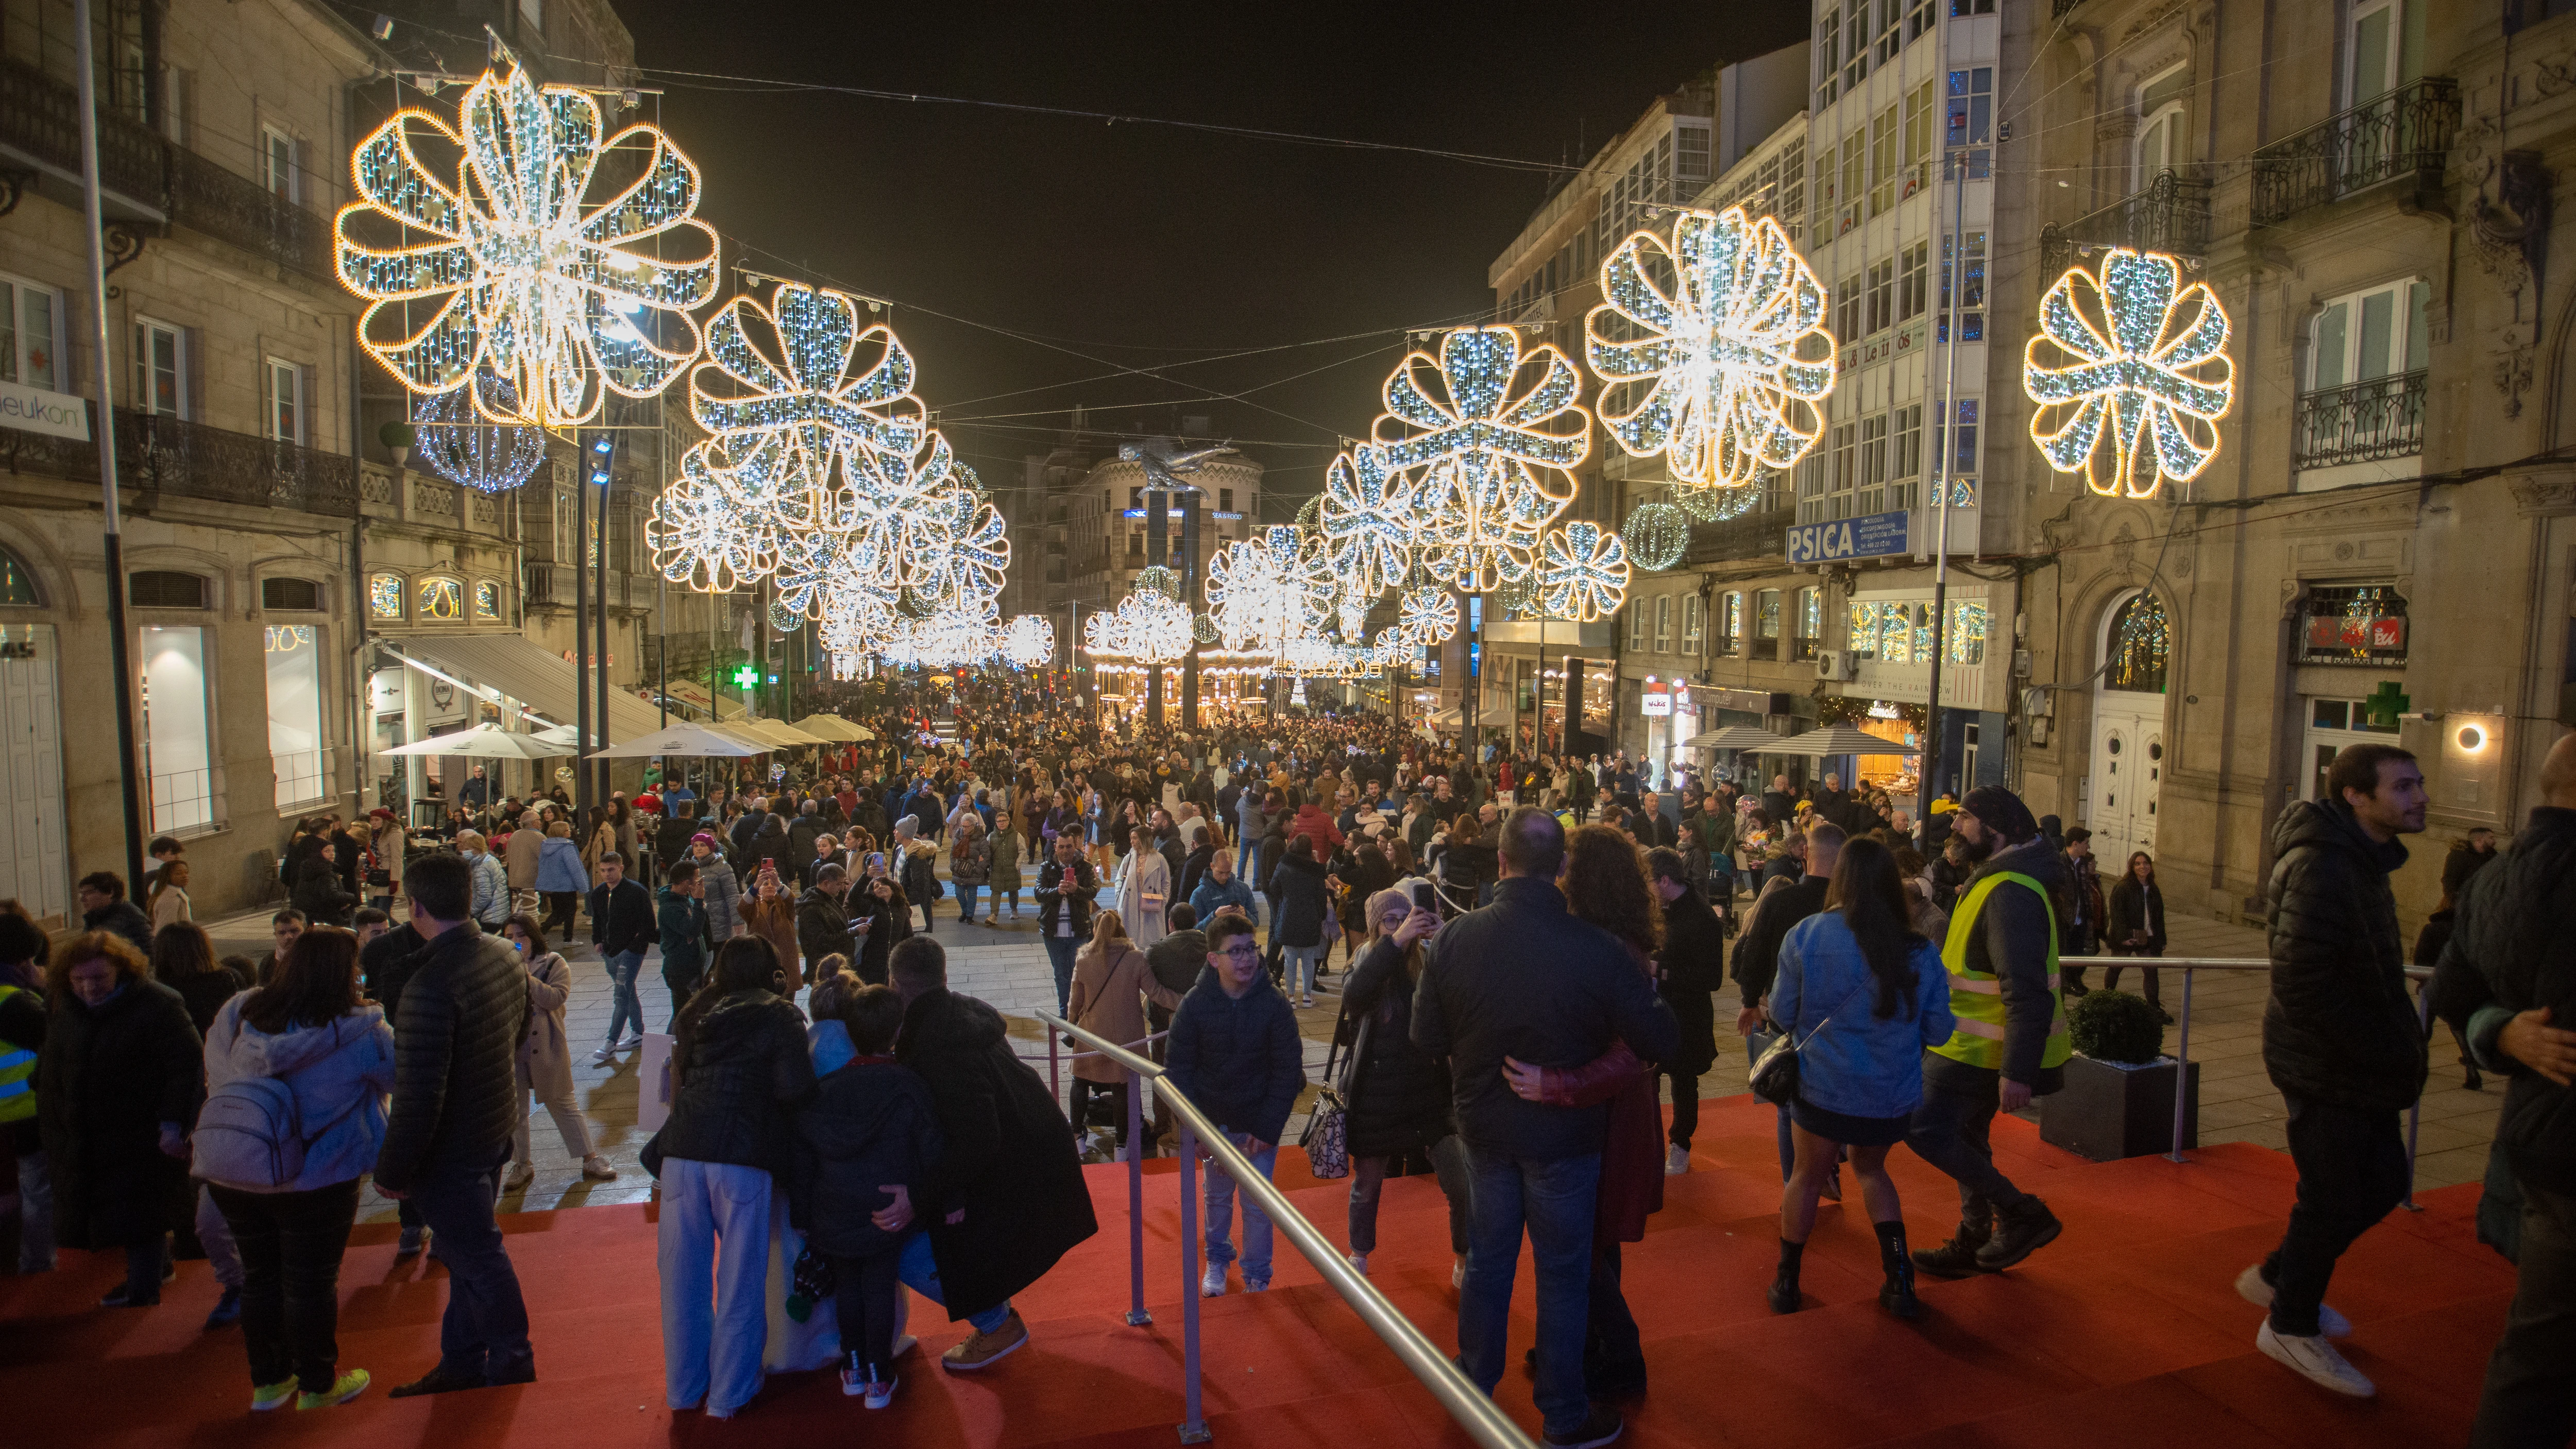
x=2401, y=135
x=1755, y=535
x=40, y=118
x=158, y=457
x=2365, y=422
x=2171, y=215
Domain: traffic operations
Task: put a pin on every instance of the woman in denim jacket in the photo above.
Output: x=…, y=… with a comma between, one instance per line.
x=1863, y=995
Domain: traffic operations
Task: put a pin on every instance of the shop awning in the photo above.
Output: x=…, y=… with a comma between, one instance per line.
x=769, y=733
x=679, y=739
x=1737, y=737
x=833, y=727
x=509, y=665
x=1841, y=740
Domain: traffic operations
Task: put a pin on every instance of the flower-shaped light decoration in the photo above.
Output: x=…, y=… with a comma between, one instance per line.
x=1156, y=627
x=1582, y=573
x=1104, y=636
x=813, y=415
x=2131, y=374
x=1029, y=642
x=1427, y=614
x=457, y=445
x=1721, y=372
x=1266, y=589
x=1368, y=520
x=513, y=274
x=697, y=535
x=1493, y=429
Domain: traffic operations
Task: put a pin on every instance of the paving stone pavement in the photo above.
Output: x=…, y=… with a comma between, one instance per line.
x=1005, y=965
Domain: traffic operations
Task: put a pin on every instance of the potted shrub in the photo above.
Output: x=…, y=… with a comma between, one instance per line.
x=2118, y=1100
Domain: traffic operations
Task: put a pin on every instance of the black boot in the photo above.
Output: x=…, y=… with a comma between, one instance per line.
x=1956, y=1258
x=1896, y=1295
x=2470, y=1078
x=2020, y=1230
x=1784, y=1287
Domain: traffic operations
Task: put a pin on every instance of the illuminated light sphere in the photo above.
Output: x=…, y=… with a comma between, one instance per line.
x=1310, y=513
x=784, y=620
x=1203, y=629
x=2131, y=374
x=1583, y=573
x=1029, y=642
x=1717, y=505
x=1722, y=373
x=525, y=278
x=454, y=442
x=1518, y=599
x=1656, y=534
x=1157, y=579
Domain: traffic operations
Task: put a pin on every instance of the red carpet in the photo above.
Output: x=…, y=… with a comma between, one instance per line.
x=2126, y=1331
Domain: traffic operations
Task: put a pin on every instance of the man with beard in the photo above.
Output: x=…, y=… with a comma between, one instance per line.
x=2010, y=1045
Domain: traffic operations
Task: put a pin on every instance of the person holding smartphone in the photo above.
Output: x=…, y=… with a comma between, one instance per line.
x=1397, y=1096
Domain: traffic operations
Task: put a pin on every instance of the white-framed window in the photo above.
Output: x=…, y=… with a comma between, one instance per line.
x=1882, y=295
x=1810, y=622
x=178, y=753
x=277, y=168
x=1664, y=624
x=532, y=14
x=1730, y=621
x=1873, y=465
x=1905, y=464
x=2370, y=334
x=1919, y=107
x=2161, y=140
x=1963, y=455
x=286, y=419
x=1913, y=280
x=31, y=325
x=1846, y=470
x=1691, y=623
x=2383, y=48
x=1637, y=625
x=1884, y=152
x=295, y=750
x=160, y=367
x=1970, y=118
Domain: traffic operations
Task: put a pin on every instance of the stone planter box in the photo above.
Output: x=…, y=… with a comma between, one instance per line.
x=2111, y=1110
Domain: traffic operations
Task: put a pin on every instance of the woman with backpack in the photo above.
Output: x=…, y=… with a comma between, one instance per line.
x=296, y=1075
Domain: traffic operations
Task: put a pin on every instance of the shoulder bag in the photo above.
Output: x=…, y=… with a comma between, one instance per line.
x=1327, y=1137
x=1774, y=1076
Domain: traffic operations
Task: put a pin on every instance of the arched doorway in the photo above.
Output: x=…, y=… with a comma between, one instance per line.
x=2128, y=728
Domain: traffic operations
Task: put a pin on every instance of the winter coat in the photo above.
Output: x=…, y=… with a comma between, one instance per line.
x=723, y=898
x=1213, y=896
x=823, y=925
x=800, y=836
x=890, y=924
x=1005, y=844
x=970, y=863
x=339, y=1072
x=869, y=1123
x=559, y=866
x=1064, y=888
x=2510, y=952
x=126, y=919
x=1304, y=901
x=2339, y=1026
x=522, y=854
x=1396, y=1094
x=107, y=1077
x=919, y=865
x=456, y=1045
x=1691, y=967
x=1525, y=978
x=1009, y=1169
x=2133, y=911
x=2008, y=939
x=1238, y=1058
x=545, y=1055
x=1856, y=1062
x=319, y=896
x=774, y=921
x=206, y=992
x=623, y=919
x=491, y=907
x=1144, y=894
x=736, y=1088
x=170, y=904
x=1109, y=983
x=1316, y=824
x=1757, y=951
x=681, y=923
x=1176, y=961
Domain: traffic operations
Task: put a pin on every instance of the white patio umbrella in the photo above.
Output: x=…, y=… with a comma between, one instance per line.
x=1737, y=737
x=485, y=742
x=680, y=739
x=1841, y=740
x=833, y=727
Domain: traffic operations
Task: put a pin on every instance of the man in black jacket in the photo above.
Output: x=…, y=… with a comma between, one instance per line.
x=2340, y=1040
x=623, y=925
x=2508, y=975
x=1524, y=978
x=465, y=1007
x=1006, y=1198
x=823, y=918
x=1066, y=885
x=104, y=908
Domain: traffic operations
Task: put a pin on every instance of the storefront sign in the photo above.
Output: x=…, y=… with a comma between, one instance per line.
x=385, y=691
x=1657, y=701
x=2348, y=631
x=34, y=410
x=1682, y=701
x=1871, y=536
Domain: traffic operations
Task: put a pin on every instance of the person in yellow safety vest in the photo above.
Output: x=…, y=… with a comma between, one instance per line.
x=2010, y=1045
x=22, y=1035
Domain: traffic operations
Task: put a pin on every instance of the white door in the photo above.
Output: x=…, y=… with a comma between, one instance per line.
x=34, y=855
x=2127, y=768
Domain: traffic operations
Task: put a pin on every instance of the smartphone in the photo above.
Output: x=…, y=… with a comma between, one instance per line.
x=1422, y=896
x=769, y=864
x=876, y=862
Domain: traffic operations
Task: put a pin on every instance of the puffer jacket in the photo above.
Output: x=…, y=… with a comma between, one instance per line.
x=559, y=867
x=735, y=1089
x=456, y=1048
x=870, y=1123
x=723, y=898
x=339, y=1073
x=2339, y=1027
x=1396, y=1094
x=2510, y=952
x=1239, y=1058
x=1304, y=901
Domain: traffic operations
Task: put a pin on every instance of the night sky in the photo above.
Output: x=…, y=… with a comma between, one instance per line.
x=1071, y=248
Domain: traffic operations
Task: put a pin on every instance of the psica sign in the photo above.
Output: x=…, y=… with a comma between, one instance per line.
x=1872, y=535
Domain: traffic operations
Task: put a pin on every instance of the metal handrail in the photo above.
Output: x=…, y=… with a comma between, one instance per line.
x=1474, y=1411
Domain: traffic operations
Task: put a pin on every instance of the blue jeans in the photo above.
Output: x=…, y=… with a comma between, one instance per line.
x=1243, y=858
x=920, y=1273
x=1554, y=1200
x=1302, y=961
x=1060, y=953
x=625, y=1007
x=715, y=1318
x=485, y=1332
x=966, y=895
x=1219, y=1196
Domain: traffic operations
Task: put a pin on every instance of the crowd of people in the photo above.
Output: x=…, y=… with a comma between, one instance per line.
x=1530, y=956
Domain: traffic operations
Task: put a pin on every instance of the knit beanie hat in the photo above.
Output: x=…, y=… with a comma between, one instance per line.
x=2001, y=811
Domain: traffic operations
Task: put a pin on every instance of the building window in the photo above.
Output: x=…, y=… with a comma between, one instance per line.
x=1637, y=625
x=1961, y=9
x=1918, y=137
x=1882, y=295
x=2373, y=334
x=17, y=584
x=1918, y=20
x=285, y=401
x=295, y=716
x=1970, y=117
x=1963, y=448
x=1855, y=44
x=1690, y=164
x=1692, y=623
x=1891, y=36
x=1730, y=621
x=165, y=589
x=487, y=601
x=1873, y=465
x=1829, y=36
x=1811, y=621
x=28, y=345
x=1971, y=274
x=2385, y=42
x=1846, y=470
x=1847, y=192
x=1664, y=624
x=385, y=597
x=1884, y=134
x=2161, y=138
x=2140, y=646
x=1968, y=632
x=1135, y=497
x=2353, y=624
x=290, y=594
x=1913, y=280
x=1225, y=500
x=160, y=368
x=442, y=599
x=1847, y=310
x=1766, y=620
x=177, y=754
x=277, y=164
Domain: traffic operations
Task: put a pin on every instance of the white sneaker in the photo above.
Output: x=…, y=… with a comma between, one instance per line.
x=604, y=1055
x=2251, y=1287
x=1359, y=1264
x=880, y=1395
x=1256, y=1285
x=1677, y=1161
x=519, y=1176
x=2315, y=1360
x=1212, y=1282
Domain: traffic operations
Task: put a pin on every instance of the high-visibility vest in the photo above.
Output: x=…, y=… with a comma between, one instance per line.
x=17, y=1075
x=1977, y=997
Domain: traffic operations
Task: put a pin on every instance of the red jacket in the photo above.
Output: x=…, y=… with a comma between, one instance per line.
x=1316, y=825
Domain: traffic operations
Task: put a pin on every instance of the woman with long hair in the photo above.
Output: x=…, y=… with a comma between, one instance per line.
x=739, y=1068
x=312, y=1029
x=545, y=1058
x=1395, y=1095
x=2134, y=925
x=1863, y=995
x=183, y=959
x=168, y=902
x=1110, y=978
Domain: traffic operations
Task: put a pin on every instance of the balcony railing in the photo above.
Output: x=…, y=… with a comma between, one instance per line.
x=2171, y=215
x=159, y=457
x=2402, y=134
x=41, y=116
x=2365, y=422
x=1755, y=535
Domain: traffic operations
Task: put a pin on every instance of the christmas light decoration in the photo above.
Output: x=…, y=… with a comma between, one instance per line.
x=825, y=394
x=1266, y=589
x=1656, y=534
x=1147, y=627
x=1583, y=573
x=1428, y=614
x=2131, y=374
x=1156, y=579
x=1368, y=520
x=457, y=445
x=523, y=279
x=1493, y=428
x=1029, y=642
x=1722, y=373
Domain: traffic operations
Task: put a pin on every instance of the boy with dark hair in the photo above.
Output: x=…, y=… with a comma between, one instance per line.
x=1235, y=1051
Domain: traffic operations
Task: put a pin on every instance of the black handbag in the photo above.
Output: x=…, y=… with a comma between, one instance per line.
x=1774, y=1075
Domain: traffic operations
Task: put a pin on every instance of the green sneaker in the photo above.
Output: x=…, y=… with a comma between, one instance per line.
x=265, y=1397
x=348, y=1386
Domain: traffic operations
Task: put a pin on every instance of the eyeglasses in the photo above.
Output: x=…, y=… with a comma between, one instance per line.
x=1242, y=951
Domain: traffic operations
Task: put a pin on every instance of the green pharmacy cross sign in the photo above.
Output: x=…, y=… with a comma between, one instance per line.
x=746, y=677
x=2385, y=704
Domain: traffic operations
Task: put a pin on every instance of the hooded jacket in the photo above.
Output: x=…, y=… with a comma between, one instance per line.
x=2339, y=1027
x=723, y=898
x=681, y=922
x=559, y=867
x=745, y=1072
x=2510, y=951
x=339, y=1072
x=869, y=1123
x=456, y=1047
x=1239, y=1058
